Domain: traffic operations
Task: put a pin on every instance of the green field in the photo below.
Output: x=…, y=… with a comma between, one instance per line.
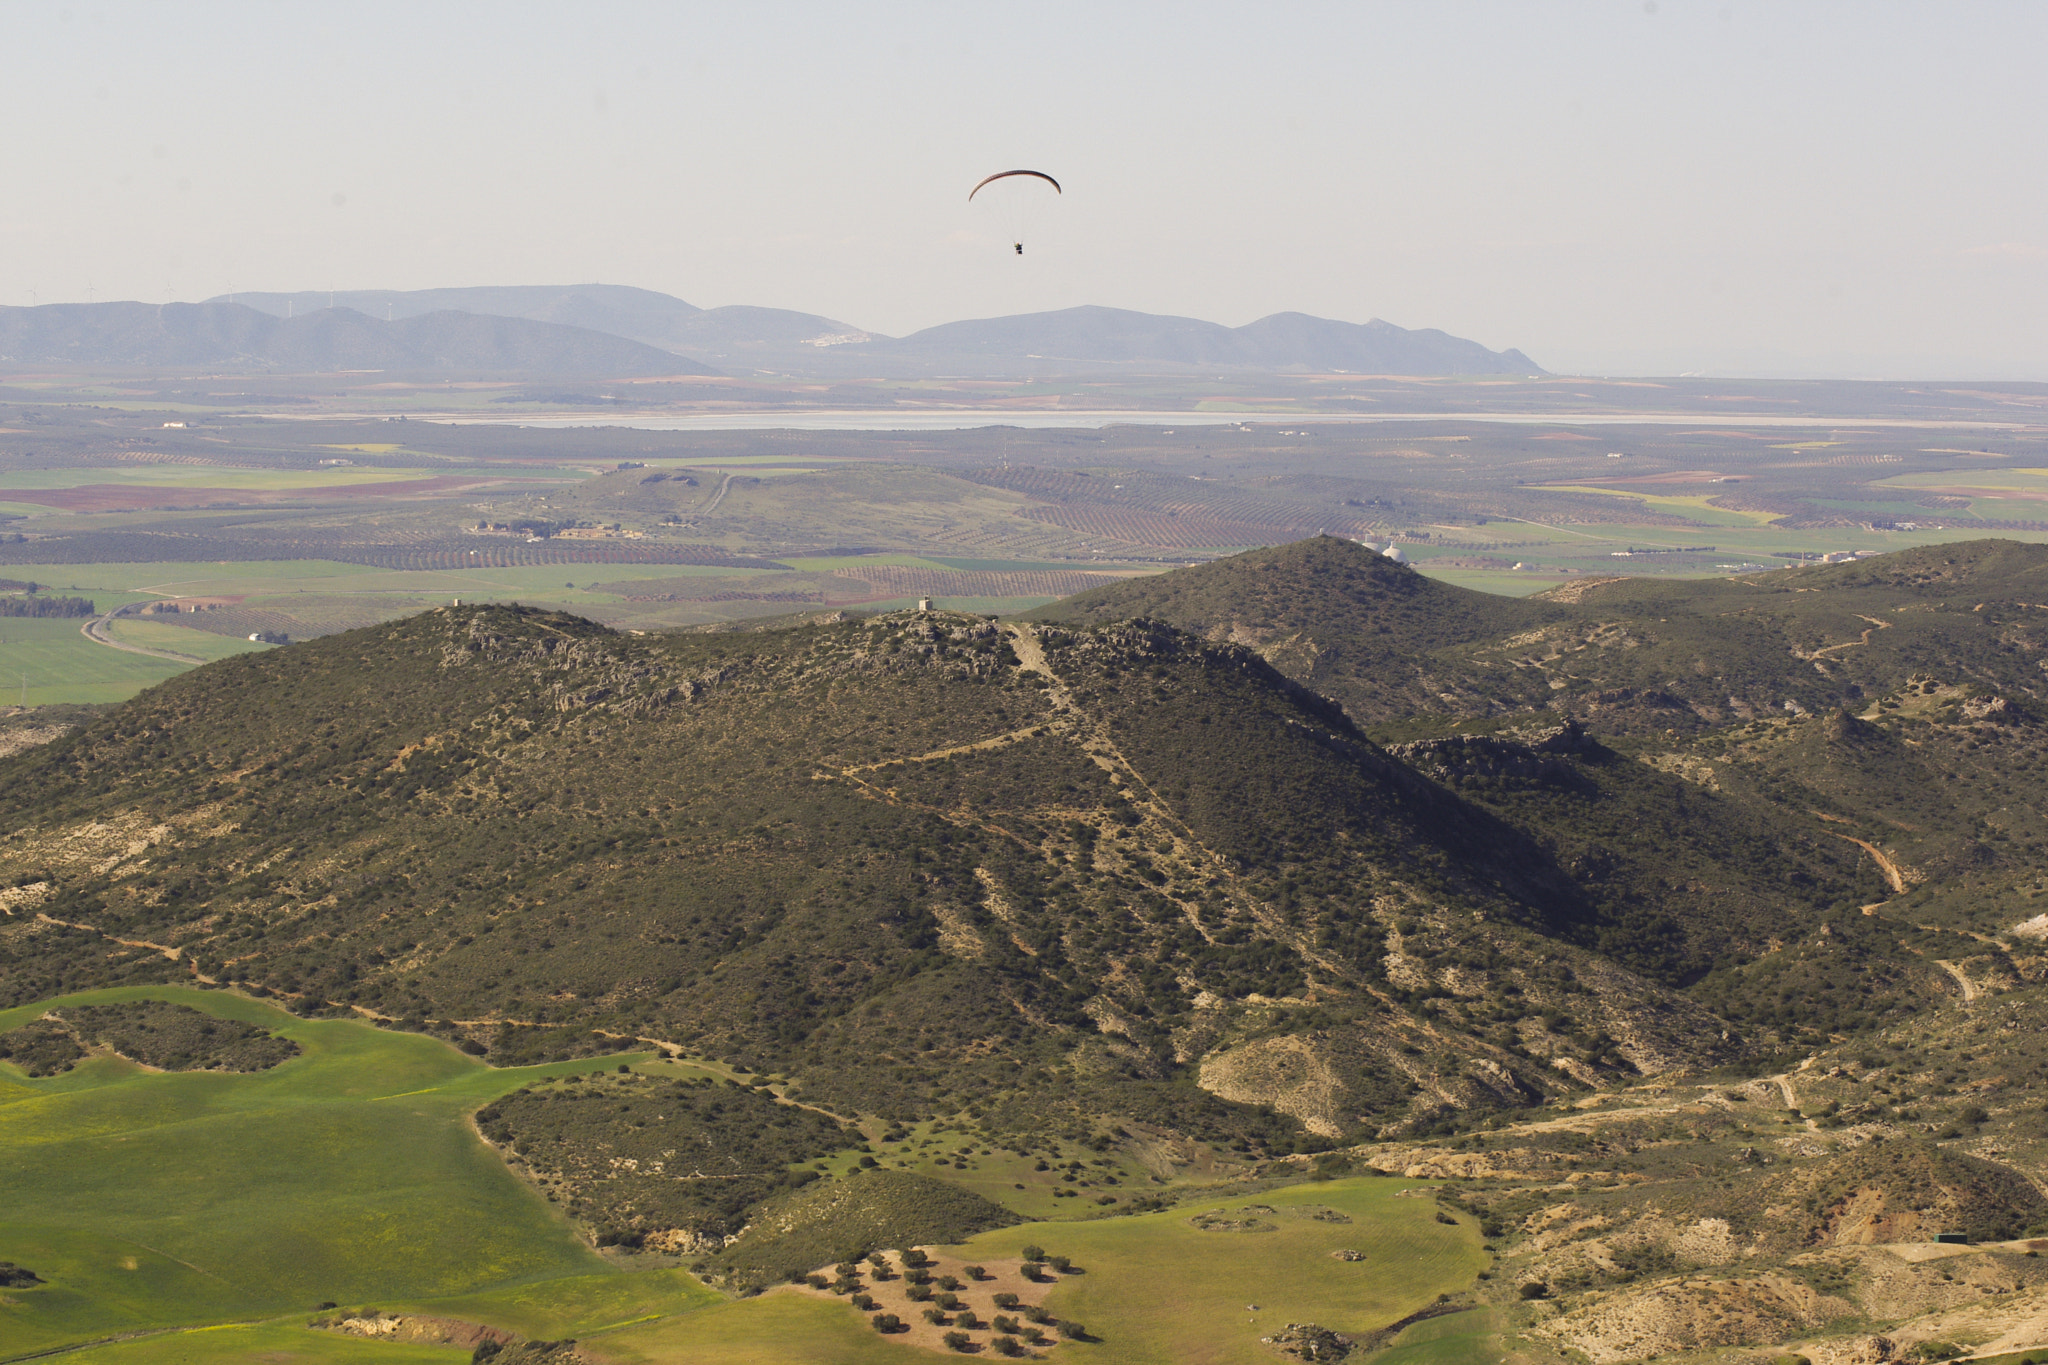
x=347, y=1174
x=202, y=645
x=204, y=1216
x=1157, y=1290
x=284, y=1340
x=1697, y=507
x=47, y=661
x=146, y=581
x=218, y=476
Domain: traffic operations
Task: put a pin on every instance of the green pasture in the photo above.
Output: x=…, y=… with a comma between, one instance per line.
x=285, y=1340
x=768, y=464
x=204, y=1216
x=1472, y=1337
x=271, y=577
x=189, y=578
x=1503, y=581
x=775, y=1329
x=572, y=1306
x=47, y=661
x=1031, y=565
x=1989, y=478
x=1589, y=547
x=827, y=563
x=214, y=476
x=206, y=646
x=1697, y=507
x=1156, y=1289
x=286, y=578
x=349, y=1173
x=1001, y=1177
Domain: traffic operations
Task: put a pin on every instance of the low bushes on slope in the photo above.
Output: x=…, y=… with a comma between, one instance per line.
x=632, y=1155
x=845, y=1219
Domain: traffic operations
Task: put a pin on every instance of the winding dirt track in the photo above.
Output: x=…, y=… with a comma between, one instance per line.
x=95, y=630
x=1968, y=987
x=1885, y=865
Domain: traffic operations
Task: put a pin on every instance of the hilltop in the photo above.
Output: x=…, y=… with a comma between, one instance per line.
x=1630, y=655
x=905, y=861
x=1329, y=613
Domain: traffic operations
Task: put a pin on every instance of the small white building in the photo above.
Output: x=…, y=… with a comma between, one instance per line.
x=924, y=604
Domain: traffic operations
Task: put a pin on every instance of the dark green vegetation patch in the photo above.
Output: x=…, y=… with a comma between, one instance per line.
x=636, y=1156
x=43, y=1048
x=156, y=1033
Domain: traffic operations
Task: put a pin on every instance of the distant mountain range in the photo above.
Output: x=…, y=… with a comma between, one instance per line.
x=1283, y=341
x=233, y=335
x=740, y=338
x=613, y=331
x=723, y=337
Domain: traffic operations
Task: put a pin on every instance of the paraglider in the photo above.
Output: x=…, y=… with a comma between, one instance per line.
x=1005, y=175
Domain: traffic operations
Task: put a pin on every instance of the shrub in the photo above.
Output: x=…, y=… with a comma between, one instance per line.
x=1072, y=1330
x=815, y=1281
x=1033, y=1253
x=957, y=1341
x=887, y=1322
x=864, y=1302
x=934, y=1317
x=975, y=1272
x=949, y=1282
x=1007, y=1346
x=1061, y=1264
x=1003, y=1324
x=1534, y=1289
x=1006, y=1300
x=966, y=1318
x=949, y=1302
x=919, y=1293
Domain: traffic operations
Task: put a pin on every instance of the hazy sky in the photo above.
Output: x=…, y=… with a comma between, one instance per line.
x=1737, y=187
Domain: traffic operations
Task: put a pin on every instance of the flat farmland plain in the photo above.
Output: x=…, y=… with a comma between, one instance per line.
x=687, y=528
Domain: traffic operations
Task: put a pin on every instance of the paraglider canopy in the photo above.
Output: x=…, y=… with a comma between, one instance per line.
x=1015, y=205
x=1005, y=175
